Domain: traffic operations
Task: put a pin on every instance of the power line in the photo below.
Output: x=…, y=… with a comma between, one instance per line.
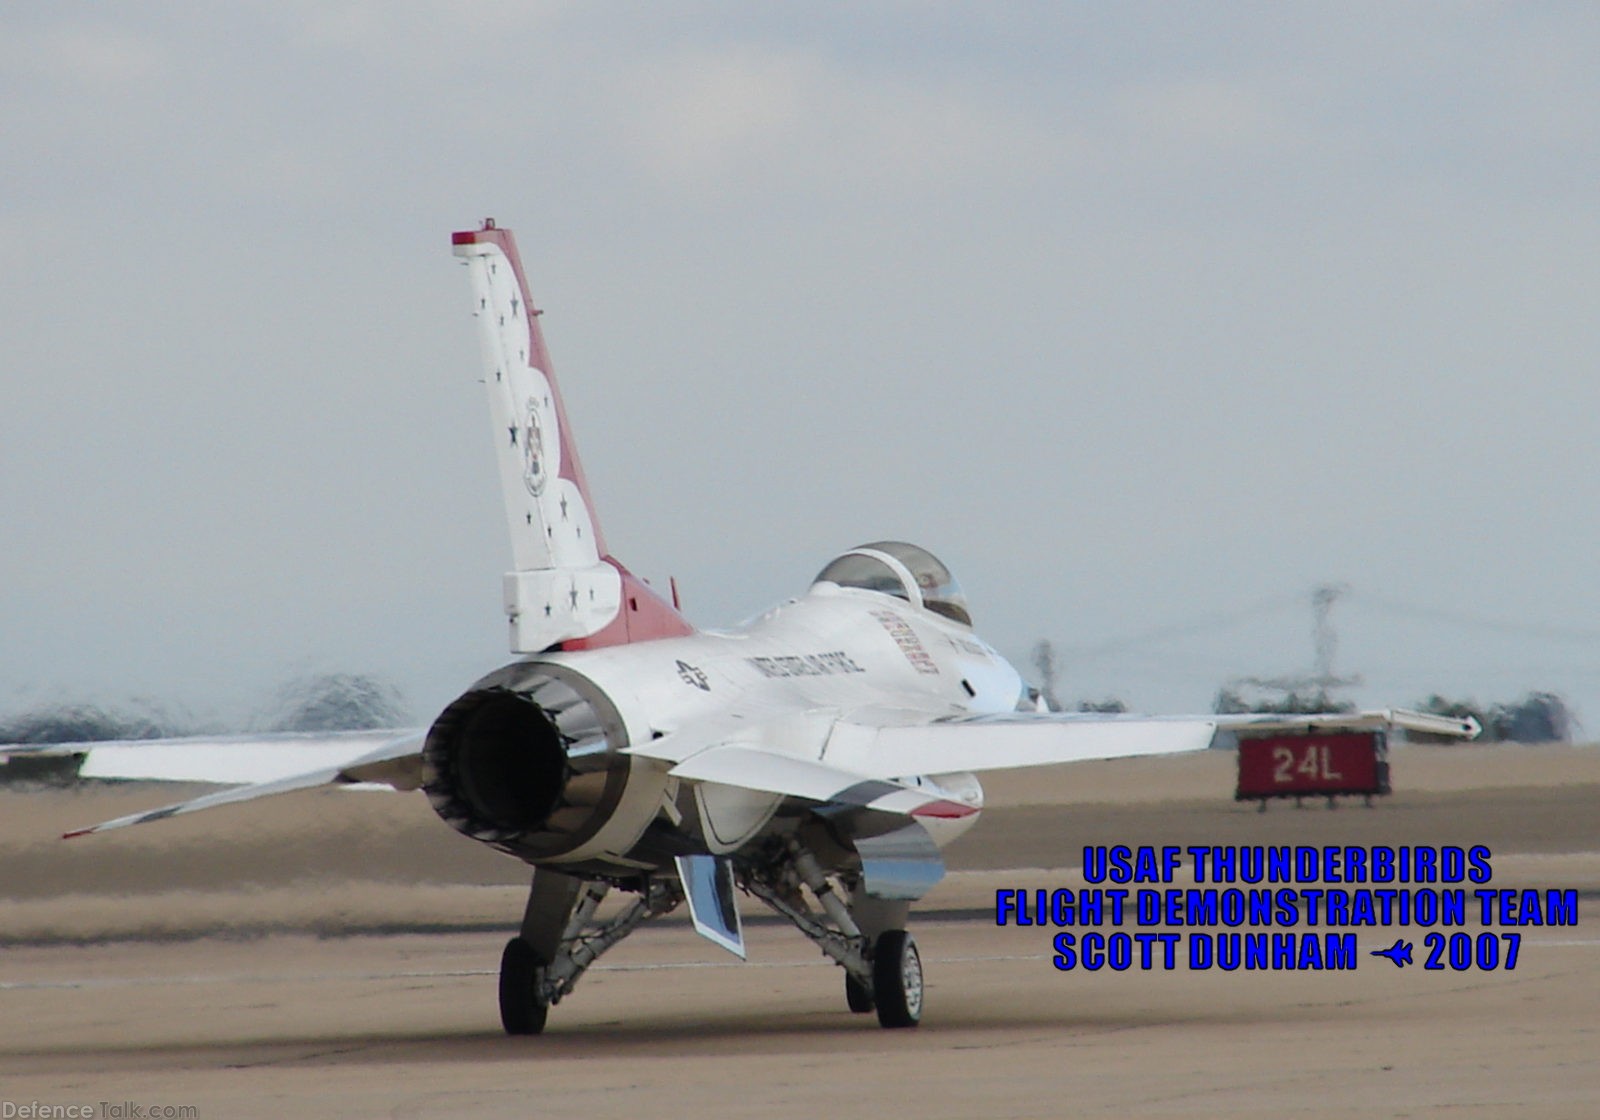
x=1470, y=620
x=1205, y=624
x=1324, y=643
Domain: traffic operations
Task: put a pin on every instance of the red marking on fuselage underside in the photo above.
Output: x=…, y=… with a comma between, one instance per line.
x=944, y=810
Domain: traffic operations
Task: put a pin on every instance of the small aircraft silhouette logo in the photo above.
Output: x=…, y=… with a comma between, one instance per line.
x=1399, y=952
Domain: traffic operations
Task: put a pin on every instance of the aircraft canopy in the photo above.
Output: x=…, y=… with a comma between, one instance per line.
x=903, y=570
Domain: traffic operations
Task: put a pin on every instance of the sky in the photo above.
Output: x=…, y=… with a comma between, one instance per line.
x=1146, y=318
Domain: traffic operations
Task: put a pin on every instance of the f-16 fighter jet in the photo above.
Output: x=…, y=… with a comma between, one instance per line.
x=817, y=758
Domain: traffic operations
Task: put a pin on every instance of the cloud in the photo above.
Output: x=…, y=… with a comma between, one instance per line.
x=89, y=54
x=1201, y=116
x=420, y=34
x=747, y=115
x=1065, y=286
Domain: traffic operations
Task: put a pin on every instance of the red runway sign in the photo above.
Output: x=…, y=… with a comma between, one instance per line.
x=1315, y=765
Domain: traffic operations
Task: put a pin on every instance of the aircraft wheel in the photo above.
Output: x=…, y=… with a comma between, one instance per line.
x=857, y=995
x=520, y=973
x=897, y=979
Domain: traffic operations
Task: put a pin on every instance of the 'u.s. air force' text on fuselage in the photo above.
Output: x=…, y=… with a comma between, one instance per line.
x=832, y=664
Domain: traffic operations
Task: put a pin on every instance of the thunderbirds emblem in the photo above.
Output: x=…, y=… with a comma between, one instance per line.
x=533, y=472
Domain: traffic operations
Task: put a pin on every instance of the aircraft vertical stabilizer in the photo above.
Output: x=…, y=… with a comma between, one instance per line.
x=564, y=587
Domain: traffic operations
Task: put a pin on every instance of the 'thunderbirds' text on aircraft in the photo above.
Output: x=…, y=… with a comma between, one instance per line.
x=817, y=758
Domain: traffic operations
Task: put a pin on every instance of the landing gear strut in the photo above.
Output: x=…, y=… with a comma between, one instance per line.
x=560, y=938
x=882, y=969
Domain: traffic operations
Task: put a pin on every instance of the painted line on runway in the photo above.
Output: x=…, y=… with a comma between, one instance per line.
x=86, y=983
x=433, y=974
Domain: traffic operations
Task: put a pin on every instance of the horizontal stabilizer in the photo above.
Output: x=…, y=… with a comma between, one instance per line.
x=224, y=759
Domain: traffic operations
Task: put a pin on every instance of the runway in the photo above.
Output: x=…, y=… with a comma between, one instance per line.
x=253, y=1024
x=404, y=1027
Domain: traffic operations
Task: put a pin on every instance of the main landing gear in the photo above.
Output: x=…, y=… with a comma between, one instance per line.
x=560, y=938
x=858, y=996
x=867, y=938
x=523, y=1006
x=897, y=979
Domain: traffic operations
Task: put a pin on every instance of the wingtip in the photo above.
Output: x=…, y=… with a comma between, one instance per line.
x=78, y=832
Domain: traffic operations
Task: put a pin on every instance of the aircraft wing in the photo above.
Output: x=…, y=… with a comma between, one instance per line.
x=867, y=757
x=271, y=764
x=1266, y=723
x=870, y=760
x=880, y=759
x=1014, y=739
x=875, y=763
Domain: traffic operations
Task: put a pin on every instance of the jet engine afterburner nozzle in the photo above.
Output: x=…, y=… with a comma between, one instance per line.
x=527, y=761
x=510, y=763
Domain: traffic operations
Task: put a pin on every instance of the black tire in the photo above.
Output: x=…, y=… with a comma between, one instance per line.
x=521, y=1012
x=897, y=979
x=858, y=995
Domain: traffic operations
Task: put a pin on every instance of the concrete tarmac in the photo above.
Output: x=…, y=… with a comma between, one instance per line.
x=405, y=1027
x=237, y=1022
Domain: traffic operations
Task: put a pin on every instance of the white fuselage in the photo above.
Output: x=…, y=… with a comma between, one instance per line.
x=835, y=649
x=783, y=680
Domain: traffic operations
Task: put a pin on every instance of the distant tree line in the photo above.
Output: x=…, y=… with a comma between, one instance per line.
x=1109, y=706
x=1230, y=702
x=321, y=702
x=1539, y=717
x=89, y=723
x=334, y=702
x=79, y=723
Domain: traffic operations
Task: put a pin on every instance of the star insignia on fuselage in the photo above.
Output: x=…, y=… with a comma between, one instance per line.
x=694, y=676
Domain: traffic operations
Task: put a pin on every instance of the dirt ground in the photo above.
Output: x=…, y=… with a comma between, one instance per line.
x=333, y=954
